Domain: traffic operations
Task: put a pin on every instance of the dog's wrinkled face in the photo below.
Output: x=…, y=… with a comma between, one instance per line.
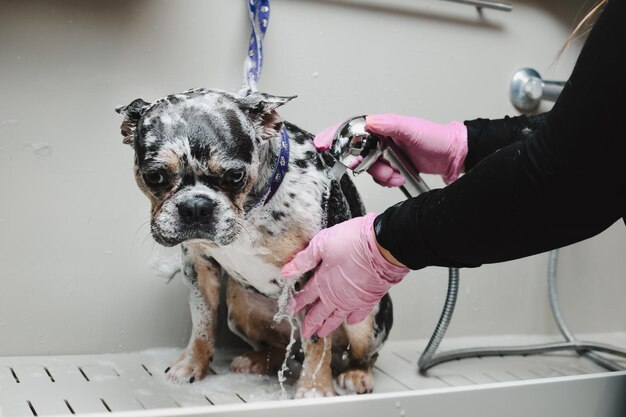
x=201, y=158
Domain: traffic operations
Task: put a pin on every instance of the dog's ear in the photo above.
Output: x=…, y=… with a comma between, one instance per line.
x=132, y=113
x=261, y=108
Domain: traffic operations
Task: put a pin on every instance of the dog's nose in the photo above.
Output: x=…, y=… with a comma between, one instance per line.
x=196, y=210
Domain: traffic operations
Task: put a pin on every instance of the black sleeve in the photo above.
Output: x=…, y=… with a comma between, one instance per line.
x=566, y=182
x=485, y=136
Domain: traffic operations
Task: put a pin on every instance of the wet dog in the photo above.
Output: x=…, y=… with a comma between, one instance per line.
x=242, y=190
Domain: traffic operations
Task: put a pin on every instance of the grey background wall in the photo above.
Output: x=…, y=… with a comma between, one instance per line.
x=75, y=251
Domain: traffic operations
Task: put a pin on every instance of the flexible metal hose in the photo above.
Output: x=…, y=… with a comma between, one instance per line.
x=428, y=359
x=520, y=351
x=553, y=258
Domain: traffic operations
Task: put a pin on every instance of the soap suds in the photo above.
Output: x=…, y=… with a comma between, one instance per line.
x=286, y=304
x=41, y=149
x=166, y=262
x=321, y=361
x=224, y=386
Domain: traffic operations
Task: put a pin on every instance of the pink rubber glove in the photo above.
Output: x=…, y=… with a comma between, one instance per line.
x=351, y=278
x=432, y=148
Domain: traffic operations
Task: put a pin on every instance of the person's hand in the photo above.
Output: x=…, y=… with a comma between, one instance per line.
x=351, y=278
x=432, y=148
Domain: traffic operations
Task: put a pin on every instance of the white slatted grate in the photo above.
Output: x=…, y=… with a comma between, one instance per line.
x=65, y=385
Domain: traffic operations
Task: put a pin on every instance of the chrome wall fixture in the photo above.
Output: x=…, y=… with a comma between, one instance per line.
x=527, y=89
x=485, y=4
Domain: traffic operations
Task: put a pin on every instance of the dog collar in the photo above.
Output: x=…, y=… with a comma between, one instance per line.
x=280, y=169
x=281, y=166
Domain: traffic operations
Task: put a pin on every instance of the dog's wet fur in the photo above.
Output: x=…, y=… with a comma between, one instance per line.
x=204, y=158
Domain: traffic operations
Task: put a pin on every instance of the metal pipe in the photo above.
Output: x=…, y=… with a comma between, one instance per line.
x=527, y=89
x=552, y=90
x=484, y=4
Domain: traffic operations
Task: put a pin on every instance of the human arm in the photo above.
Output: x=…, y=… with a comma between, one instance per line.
x=433, y=148
x=564, y=183
x=485, y=136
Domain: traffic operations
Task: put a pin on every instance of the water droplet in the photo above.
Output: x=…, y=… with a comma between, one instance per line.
x=108, y=252
x=316, y=74
x=41, y=149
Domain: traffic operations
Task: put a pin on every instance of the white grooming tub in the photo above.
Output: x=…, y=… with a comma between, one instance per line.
x=87, y=325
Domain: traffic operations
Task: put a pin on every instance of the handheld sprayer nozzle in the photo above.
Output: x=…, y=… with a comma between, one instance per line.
x=356, y=149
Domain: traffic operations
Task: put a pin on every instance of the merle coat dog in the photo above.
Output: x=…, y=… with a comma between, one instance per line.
x=241, y=191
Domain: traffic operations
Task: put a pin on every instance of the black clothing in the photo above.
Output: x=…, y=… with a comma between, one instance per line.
x=532, y=183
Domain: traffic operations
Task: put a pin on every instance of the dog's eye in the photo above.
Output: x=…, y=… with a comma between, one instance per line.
x=154, y=178
x=234, y=176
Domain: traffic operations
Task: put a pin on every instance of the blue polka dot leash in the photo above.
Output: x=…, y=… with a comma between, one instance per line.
x=259, y=13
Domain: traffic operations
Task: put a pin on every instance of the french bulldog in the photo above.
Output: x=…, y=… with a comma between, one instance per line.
x=241, y=190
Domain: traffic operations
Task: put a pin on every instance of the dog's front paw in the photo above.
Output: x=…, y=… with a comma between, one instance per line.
x=261, y=362
x=245, y=364
x=192, y=365
x=356, y=381
x=314, y=392
x=311, y=386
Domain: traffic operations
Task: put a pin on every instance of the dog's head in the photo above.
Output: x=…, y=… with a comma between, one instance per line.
x=201, y=157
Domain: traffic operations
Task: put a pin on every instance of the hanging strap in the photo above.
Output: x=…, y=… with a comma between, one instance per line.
x=259, y=13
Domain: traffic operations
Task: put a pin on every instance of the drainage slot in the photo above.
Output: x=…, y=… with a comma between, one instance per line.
x=241, y=398
x=514, y=376
x=105, y=405
x=146, y=368
x=207, y=398
x=140, y=403
x=444, y=381
x=49, y=374
x=32, y=409
x=69, y=407
x=15, y=376
x=83, y=373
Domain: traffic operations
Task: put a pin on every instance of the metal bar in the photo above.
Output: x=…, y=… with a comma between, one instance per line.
x=484, y=4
